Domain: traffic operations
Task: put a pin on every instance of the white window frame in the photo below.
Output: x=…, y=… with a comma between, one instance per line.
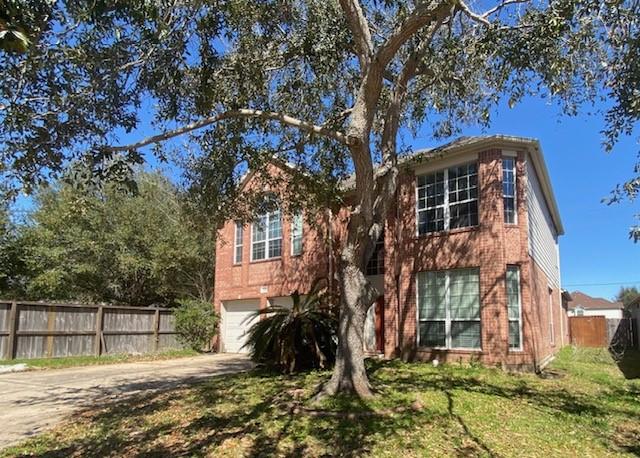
x=375, y=266
x=445, y=204
x=515, y=189
x=267, y=240
x=238, y=243
x=509, y=320
x=297, y=222
x=447, y=319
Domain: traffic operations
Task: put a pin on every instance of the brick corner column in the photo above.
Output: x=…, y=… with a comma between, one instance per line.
x=495, y=336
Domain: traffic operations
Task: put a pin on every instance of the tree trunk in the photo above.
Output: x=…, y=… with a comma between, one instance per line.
x=356, y=295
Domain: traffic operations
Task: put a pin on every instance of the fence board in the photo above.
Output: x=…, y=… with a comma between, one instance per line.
x=4, y=342
x=128, y=320
x=34, y=318
x=72, y=345
x=75, y=319
x=588, y=331
x=5, y=313
x=30, y=347
x=168, y=342
x=167, y=321
x=5, y=310
x=122, y=343
x=54, y=330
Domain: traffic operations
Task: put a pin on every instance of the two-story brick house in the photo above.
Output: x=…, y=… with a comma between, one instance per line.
x=468, y=268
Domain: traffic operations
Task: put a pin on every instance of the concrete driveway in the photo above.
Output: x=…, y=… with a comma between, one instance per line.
x=33, y=401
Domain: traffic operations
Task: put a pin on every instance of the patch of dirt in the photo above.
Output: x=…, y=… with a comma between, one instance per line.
x=627, y=437
x=550, y=374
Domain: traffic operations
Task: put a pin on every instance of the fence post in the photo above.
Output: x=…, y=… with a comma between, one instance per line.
x=97, y=345
x=51, y=325
x=13, y=316
x=156, y=330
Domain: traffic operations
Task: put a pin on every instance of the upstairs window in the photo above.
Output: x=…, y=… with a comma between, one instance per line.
x=296, y=235
x=448, y=199
x=266, y=238
x=375, y=266
x=449, y=309
x=509, y=189
x=237, y=252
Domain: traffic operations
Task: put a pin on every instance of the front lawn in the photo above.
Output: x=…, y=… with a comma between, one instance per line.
x=584, y=407
x=75, y=361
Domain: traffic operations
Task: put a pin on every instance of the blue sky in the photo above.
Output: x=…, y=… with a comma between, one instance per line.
x=596, y=254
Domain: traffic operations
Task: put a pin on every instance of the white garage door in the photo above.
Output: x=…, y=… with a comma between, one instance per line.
x=237, y=318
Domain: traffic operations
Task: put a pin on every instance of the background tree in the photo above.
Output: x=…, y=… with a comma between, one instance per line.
x=331, y=86
x=12, y=267
x=626, y=294
x=114, y=246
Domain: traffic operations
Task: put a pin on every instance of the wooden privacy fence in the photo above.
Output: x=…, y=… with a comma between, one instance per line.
x=588, y=331
x=598, y=331
x=621, y=333
x=46, y=330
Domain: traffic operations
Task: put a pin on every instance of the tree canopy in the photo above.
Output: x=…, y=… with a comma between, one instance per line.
x=627, y=294
x=256, y=78
x=110, y=246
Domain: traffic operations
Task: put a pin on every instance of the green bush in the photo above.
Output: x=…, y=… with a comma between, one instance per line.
x=196, y=323
x=299, y=338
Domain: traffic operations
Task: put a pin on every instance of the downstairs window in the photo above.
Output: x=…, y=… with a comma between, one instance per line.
x=449, y=309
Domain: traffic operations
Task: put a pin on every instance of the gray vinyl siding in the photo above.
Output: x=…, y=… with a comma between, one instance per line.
x=543, y=237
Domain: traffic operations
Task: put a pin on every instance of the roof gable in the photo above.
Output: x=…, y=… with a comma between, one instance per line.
x=587, y=302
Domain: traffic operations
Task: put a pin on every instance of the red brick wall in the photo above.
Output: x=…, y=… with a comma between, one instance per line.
x=542, y=293
x=280, y=276
x=491, y=246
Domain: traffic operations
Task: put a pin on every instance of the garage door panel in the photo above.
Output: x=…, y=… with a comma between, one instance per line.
x=238, y=317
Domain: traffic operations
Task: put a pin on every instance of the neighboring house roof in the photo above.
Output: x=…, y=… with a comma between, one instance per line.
x=591, y=303
x=477, y=143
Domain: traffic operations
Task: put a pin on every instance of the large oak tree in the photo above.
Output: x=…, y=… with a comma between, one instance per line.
x=333, y=86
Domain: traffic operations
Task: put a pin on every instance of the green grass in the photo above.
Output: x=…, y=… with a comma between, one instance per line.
x=586, y=408
x=74, y=361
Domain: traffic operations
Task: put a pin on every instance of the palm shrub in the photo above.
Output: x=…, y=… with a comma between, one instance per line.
x=297, y=338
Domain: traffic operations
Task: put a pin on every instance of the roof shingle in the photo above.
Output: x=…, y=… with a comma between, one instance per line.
x=588, y=302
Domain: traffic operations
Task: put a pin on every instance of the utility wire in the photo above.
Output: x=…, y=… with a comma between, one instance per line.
x=603, y=284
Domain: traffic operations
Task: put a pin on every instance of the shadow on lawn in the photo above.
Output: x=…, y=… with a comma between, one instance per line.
x=261, y=410
x=629, y=363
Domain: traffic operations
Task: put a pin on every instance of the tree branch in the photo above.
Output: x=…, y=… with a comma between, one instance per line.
x=497, y=8
x=359, y=27
x=420, y=17
x=386, y=175
x=409, y=70
x=474, y=16
x=241, y=113
x=364, y=109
